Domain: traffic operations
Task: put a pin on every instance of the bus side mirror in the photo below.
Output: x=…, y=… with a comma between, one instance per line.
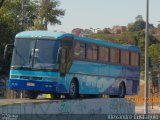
x=6, y=50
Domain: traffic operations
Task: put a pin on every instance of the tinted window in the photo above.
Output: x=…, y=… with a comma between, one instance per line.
x=41, y=54
x=114, y=55
x=94, y=52
x=45, y=54
x=127, y=57
x=104, y=54
x=79, y=50
x=134, y=59
x=124, y=57
x=91, y=52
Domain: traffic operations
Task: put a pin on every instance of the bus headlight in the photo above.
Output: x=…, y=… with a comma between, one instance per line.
x=14, y=84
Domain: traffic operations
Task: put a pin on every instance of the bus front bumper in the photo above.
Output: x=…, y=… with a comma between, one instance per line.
x=36, y=85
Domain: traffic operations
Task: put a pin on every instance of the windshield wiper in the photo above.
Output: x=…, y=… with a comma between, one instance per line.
x=21, y=67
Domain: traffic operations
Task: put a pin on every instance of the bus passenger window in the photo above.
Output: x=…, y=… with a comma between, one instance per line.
x=124, y=57
x=79, y=50
x=114, y=55
x=127, y=57
x=101, y=54
x=134, y=59
x=94, y=50
x=106, y=54
x=89, y=51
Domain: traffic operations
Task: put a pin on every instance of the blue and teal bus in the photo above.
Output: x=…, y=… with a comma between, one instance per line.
x=64, y=64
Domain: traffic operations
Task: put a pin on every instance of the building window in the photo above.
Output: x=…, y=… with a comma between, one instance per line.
x=114, y=55
x=91, y=51
x=79, y=50
x=134, y=59
x=124, y=57
x=103, y=54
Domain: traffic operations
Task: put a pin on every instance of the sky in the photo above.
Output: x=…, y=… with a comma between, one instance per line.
x=101, y=14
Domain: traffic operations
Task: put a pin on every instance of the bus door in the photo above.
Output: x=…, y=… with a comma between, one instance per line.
x=65, y=56
x=65, y=60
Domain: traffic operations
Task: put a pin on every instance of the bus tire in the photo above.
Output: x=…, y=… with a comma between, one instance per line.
x=32, y=94
x=122, y=90
x=74, y=89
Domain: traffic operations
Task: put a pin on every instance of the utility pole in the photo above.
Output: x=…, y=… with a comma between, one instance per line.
x=146, y=59
x=22, y=15
x=21, y=92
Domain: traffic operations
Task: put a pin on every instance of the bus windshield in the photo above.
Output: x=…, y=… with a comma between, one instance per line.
x=35, y=54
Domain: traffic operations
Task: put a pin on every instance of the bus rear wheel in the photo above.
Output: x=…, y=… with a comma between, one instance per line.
x=73, y=90
x=122, y=90
x=32, y=94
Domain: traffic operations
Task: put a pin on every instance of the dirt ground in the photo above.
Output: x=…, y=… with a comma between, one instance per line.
x=139, y=99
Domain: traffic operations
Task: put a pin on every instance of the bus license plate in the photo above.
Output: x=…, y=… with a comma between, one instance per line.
x=30, y=84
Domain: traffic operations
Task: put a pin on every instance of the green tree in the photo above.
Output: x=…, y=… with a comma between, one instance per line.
x=105, y=31
x=36, y=15
x=6, y=36
x=157, y=32
x=127, y=38
x=14, y=8
x=139, y=18
x=103, y=36
x=49, y=13
x=137, y=26
x=154, y=53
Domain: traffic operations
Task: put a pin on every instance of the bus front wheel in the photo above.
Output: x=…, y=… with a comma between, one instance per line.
x=73, y=90
x=32, y=94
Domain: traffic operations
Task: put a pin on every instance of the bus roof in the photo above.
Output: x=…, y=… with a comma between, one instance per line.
x=41, y=34
x=59, y=35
